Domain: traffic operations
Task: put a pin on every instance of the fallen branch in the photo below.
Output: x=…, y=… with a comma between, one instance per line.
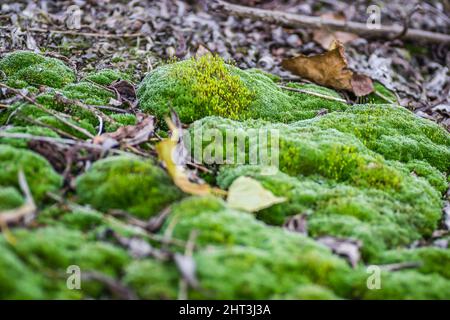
x=88, y=34
x=297, y=20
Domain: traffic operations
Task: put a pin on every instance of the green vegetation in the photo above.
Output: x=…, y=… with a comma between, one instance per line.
x=372, y=172
x=39, y=173
x=206, y=86
x=127, y=183
x=23, y=68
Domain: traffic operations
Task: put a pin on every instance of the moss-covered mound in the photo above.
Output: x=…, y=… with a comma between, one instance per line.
x=270, y=263
x=127, y=183
x=337, y=169
x=206, y=86
x=25, y=68
x=39, y=173
x=372, y=172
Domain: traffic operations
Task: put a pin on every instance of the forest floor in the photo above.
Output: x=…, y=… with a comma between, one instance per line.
x=95, y=175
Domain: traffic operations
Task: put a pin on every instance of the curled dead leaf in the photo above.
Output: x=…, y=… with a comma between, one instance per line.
x=346, y=248
x=330, y=69
x=131, y=134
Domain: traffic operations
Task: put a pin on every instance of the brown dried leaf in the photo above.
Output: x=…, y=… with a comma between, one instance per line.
x=329, y=69
x=130, y=135
x=297, y=223
x=125, y=92
x=347, y=248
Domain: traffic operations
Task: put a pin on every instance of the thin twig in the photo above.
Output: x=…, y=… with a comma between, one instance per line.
x=313, y=94
x=49, y=111
x=297, y=20
x=88, y=34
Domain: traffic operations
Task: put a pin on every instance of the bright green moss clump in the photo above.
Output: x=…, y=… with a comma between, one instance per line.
x=40, y=175
x=10, y=198
x=127, y=183
x=347, y=189
x=106, y=76
x=207, y=86
x=23, y=68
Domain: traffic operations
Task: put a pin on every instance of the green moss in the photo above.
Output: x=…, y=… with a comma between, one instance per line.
x=122, y=120
x=33, y=130
x=58, y=124
x=410, y=285
x=307, y=292
x=381, y=95
x=329, y=173
x=106, y=76
x=269, y=260
x=393, y=132
x=23, y=115
x=17, y=280
x=88, y=93
x=152, y=279
x=49, y=251
x=206, y=86
x=34, y=69
x=380, y=218
x=10, y=198
x=39, y=174
x=127, y=183
x=431, y=260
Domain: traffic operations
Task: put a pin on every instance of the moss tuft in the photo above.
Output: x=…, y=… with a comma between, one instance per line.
x=127, y=183
x=39, y=174
x=206, y=86
x=22, y=67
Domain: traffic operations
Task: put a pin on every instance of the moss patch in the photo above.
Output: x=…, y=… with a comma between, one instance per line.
x=27, y=68
x=39, y=174
x=127, y=183
x=207, y=86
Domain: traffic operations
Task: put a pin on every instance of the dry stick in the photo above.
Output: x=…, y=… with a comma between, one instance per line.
x=297, y=20
x=25, y=212
x=88, y=34
x=49, y=111
x=63, y=141
x=313, y=94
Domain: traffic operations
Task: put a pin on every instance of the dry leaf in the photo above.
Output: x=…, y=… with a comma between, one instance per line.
x=173, y=153
x=325, y=37
x=249, y=195
x=131, y=135
x=347, y=248
x=297, y=223
x=330, y=69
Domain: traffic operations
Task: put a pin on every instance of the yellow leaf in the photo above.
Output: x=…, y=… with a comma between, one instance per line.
x=249, y=195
